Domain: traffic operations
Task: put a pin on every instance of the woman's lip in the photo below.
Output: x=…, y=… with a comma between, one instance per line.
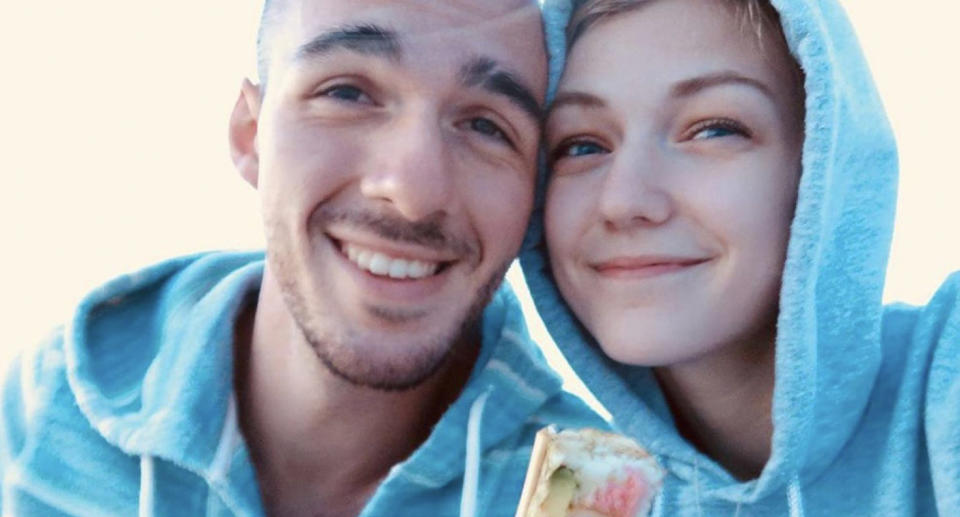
x=644, y=266
x=640, y=261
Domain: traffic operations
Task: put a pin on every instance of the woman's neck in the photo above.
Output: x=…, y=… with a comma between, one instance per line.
x=722, y=403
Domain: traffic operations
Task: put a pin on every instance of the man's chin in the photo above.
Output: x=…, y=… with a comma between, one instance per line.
x=398, y=318
x=389, y=347
x=386, y=363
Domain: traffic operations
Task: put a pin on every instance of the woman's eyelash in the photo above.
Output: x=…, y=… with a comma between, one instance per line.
x=720, y=126
x=574, y=148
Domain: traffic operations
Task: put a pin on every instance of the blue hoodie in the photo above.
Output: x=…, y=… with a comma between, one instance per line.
x=866, y=403
x=131, y=409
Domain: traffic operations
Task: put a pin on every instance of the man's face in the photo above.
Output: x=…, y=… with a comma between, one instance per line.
x=397, y=145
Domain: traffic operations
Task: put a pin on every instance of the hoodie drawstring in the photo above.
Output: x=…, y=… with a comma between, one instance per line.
x=696, y=484
x=657, y=510
x=471, y=467
x=146, y=486
x=795, y=497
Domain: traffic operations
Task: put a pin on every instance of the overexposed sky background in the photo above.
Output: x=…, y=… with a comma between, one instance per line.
x=114, y=145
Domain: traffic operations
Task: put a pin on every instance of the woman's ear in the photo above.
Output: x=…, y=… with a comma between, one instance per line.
x=243, y=132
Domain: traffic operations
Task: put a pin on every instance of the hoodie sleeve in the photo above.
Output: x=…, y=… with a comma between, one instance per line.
x=11, y=422
x=25, y=386
x=942, y=411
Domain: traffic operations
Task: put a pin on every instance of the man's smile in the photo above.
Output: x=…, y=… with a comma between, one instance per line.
x=384, y=271
x=385, y=264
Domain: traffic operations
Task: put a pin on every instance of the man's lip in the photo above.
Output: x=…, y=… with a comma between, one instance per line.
x=645, y=262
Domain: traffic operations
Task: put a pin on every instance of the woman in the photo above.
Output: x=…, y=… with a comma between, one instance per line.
x=718, y=217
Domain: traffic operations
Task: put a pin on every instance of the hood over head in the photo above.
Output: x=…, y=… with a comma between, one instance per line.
x=828, y=346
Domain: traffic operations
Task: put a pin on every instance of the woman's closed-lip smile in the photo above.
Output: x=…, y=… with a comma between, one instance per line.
x=643, y=266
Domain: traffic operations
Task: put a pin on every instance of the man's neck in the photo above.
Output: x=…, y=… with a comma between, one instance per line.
x=722, y=404
x=321, y=445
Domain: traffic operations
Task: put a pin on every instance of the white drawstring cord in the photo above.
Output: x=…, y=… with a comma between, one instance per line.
x=696, y=484
x=795, y=497
x=658, y=499
x=471, y=468
x=146, y=486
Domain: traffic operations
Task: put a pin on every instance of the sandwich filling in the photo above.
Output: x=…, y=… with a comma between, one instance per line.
x=592, y=473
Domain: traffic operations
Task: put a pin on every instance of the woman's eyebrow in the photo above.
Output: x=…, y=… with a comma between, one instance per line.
x=695, y=85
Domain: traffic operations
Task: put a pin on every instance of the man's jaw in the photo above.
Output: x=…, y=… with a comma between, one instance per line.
x=399, y=319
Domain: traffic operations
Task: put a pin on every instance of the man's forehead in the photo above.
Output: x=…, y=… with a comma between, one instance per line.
x=411, y=20
x=453, y=8
x=445, y=37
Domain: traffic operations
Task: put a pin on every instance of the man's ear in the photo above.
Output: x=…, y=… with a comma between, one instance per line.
x=243, y=133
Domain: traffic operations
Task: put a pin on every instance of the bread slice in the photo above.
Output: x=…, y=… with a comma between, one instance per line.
x=588, y=472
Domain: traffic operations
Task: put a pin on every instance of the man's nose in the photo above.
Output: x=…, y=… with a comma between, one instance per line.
x=411, y=170
x=632, y=191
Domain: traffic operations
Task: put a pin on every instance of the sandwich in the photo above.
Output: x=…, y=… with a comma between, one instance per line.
x=588, y=473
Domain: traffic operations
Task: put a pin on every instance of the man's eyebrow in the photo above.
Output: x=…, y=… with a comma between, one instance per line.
x=364, y=39
x=575, y=98
x=487, y=74
x=695, y=85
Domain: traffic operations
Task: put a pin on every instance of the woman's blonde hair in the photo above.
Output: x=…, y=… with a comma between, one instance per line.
x=757, y=15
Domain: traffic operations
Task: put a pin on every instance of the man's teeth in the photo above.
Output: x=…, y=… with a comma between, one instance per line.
x=384, y=265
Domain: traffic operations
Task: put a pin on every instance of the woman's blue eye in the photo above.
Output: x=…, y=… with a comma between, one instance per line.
x=714, y=132
x=719, y=129
x=583, y=149
x=576, y=149
x=487, y=127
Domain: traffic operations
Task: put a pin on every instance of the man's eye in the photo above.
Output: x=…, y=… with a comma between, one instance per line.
x=488, y=128
x=718, y=129
x=346, y=92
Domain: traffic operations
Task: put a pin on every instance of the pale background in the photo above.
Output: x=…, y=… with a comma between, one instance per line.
x=113, y=135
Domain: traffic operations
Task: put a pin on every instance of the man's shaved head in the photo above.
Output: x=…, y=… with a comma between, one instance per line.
x=270, y=19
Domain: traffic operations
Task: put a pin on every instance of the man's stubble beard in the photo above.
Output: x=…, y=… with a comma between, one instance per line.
x=338, y=350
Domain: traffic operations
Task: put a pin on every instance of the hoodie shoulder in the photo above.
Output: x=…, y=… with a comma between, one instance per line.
x=919, y=385
x=930, y=333
x=45, y=441
x=940, y=327
x=17, y=407
x=29, y=385
x=75, y=412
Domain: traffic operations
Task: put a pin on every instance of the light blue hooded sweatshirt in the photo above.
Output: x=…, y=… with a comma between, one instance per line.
x=866, y=404
x=131, y=409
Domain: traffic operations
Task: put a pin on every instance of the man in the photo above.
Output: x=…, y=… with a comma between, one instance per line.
x=394, y=148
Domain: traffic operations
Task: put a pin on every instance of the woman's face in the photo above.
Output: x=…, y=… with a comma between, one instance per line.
x=674, y=145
